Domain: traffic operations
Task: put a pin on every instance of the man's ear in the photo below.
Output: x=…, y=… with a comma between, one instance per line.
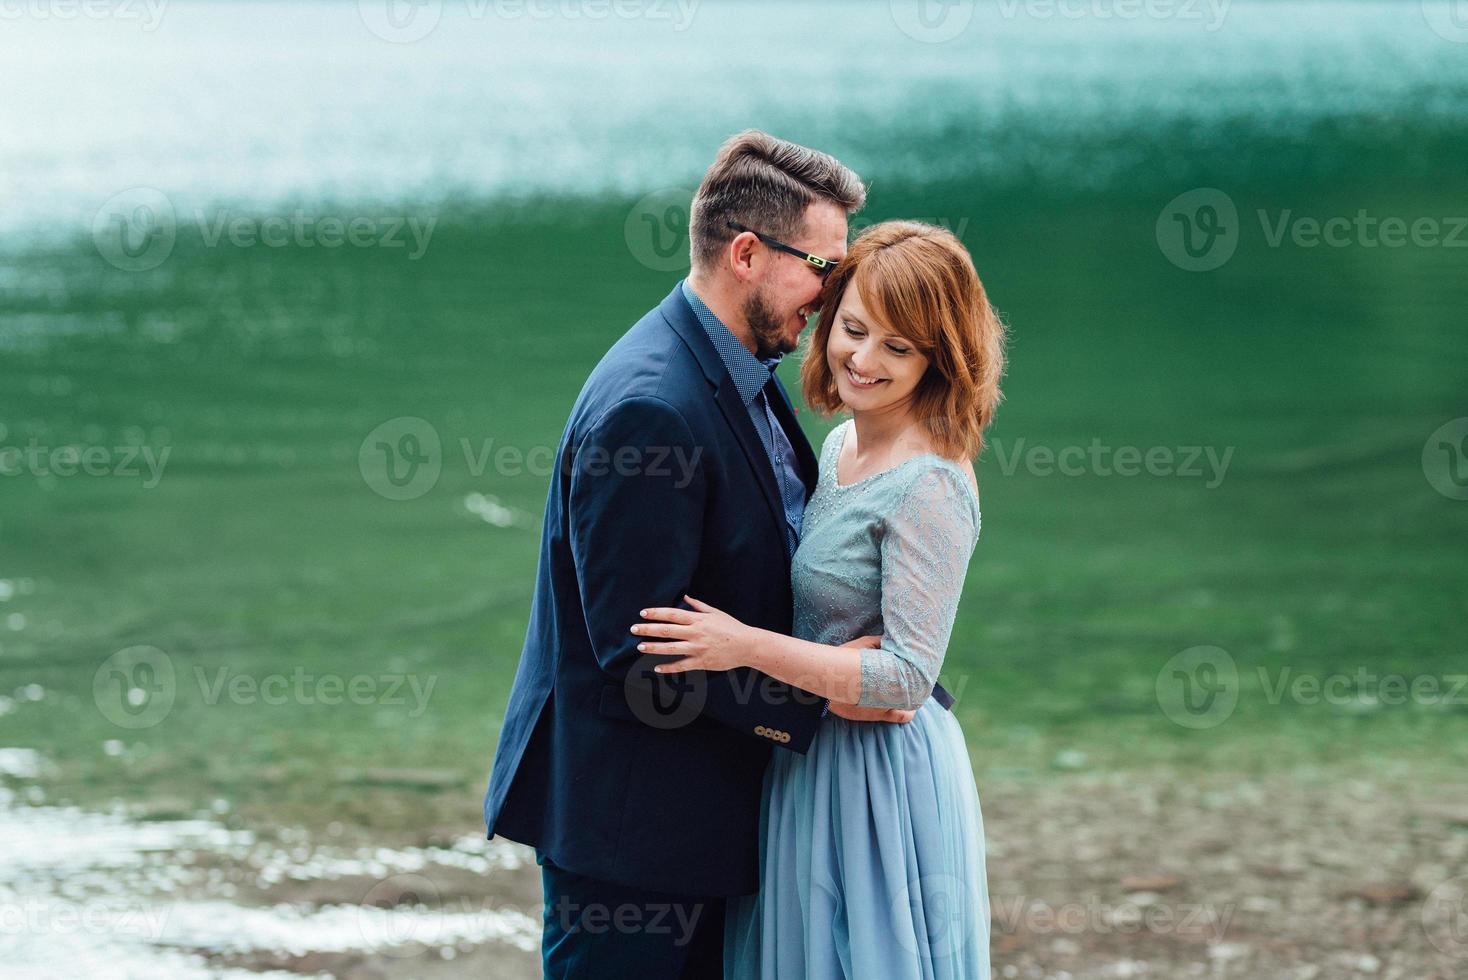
x=740, y=255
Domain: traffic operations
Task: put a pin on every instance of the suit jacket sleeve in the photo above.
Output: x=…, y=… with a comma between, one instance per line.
x=636, y=514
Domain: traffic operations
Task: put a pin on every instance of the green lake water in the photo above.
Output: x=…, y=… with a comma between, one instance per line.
x=265, y=559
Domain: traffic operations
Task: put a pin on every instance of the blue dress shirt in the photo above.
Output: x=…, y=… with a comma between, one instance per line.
x=751, y=375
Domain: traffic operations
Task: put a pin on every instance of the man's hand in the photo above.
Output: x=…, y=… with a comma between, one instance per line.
x=853, y=712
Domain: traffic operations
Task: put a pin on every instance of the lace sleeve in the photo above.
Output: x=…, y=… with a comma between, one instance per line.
x=926, y=545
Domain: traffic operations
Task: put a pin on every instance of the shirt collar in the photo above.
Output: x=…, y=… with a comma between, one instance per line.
x=749, y=373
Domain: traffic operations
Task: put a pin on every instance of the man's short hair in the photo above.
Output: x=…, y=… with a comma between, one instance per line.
x=765, y=183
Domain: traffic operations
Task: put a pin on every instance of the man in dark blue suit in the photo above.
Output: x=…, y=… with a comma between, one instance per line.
x=681, y=470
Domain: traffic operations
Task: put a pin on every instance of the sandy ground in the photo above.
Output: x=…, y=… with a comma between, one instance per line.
x=1310, y=877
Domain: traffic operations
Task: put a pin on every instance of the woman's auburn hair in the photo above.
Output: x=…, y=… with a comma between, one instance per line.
x=919, y=282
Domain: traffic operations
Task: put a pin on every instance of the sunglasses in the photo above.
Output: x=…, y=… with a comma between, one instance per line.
x=822, y=266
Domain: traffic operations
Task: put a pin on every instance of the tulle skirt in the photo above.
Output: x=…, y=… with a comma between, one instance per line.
x=871, y=860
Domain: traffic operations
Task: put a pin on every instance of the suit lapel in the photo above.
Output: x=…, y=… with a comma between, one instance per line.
x=737, y=415
x=679, y=316
x=805, y=456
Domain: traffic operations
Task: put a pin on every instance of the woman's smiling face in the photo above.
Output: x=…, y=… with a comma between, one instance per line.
x=875, y=368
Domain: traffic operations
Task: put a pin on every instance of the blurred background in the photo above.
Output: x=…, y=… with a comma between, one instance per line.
x=295, y=298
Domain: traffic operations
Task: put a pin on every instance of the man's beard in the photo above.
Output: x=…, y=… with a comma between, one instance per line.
x=769, y=333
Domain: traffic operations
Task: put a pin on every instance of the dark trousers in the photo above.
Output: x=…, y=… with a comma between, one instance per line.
x=595, y=930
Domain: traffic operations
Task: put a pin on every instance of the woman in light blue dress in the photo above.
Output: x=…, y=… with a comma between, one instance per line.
x=872, y=851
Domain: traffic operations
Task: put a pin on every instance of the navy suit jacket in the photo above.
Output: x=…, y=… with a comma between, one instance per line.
x=662, y=488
